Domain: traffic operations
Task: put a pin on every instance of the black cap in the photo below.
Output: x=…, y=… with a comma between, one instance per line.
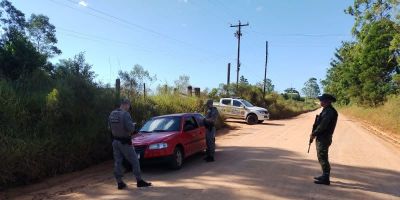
x=209, y=102
x=329, y=97
x=125, y=101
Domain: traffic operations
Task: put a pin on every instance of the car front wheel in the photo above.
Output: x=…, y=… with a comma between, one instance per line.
x=177, y=159
x=251, y=119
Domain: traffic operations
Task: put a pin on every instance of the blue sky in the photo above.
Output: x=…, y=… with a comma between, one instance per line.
x=174, y=37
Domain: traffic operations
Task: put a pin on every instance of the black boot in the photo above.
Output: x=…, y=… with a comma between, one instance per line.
x=143, y=183
x=121, y=185
x=324, y=180
x=318, y=177
x=209, y=159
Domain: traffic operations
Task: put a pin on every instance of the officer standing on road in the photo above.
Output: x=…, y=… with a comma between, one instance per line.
x=323, y=132
x=122, y=127
x=209, y=121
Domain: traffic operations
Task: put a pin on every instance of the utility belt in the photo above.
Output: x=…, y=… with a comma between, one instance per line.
x=123, y=140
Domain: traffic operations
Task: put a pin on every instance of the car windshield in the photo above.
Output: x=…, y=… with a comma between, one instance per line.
x=162, y=124
x=246, y=103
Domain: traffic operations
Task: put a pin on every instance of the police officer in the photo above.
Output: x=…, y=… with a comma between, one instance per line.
x=122, y=127
x=323, y=132
x=209, y=121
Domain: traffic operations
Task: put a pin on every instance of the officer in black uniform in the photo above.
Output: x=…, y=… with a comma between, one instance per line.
x=323, y=132
x=121, y=125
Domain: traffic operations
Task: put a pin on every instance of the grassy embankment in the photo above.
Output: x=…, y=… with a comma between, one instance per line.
x=385, y=117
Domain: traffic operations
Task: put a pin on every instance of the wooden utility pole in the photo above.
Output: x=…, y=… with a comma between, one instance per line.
x=266, y=63
x=228, y=81
x=117, y=91
x=144, y=91
x=238, y=34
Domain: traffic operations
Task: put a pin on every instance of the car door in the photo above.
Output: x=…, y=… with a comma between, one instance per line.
x=202, y=132
x=238, y=109
x=226, y=106
x=190, y=135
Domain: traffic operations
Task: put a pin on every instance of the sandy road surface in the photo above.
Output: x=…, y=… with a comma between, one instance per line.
x=267, y=161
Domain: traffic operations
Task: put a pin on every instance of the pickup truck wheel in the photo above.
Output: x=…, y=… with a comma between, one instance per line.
x=177, y=159
x=260, y=121
x=251, y=119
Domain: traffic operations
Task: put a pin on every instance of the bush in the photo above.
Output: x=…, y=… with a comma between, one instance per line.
x=280, y=108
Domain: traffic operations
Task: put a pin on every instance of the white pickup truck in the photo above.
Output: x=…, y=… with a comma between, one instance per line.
x=241, y=109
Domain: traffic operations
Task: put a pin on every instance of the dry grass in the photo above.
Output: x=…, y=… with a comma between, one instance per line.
x=386, y=117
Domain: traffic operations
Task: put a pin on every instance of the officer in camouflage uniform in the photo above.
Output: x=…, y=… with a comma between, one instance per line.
x=323, y=132
x=121, y=125
x=209, y=122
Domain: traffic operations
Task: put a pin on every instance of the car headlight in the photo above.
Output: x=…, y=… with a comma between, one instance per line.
x=158, y=146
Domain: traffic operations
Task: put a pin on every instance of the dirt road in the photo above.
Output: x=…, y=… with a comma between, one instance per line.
x=267, y=161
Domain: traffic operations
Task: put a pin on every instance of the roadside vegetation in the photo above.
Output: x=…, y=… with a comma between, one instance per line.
x=365, y=73
x=385, y=117
x=53, y=116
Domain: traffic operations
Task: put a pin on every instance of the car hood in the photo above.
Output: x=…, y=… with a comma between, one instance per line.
x=151, y=138
x=254, y=108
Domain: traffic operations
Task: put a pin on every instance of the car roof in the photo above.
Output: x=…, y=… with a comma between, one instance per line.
x=176, y=115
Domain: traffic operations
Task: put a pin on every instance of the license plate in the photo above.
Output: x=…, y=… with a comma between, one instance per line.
x=138, y=156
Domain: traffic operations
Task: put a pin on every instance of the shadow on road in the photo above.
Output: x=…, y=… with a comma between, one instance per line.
x=266, y=172
x=264, y=123
x=248, y=173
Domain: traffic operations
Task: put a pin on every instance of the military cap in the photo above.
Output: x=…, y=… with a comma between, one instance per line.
x=325, y=96
x=209, y=102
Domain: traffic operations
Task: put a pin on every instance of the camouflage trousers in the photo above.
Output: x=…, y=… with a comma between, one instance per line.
x=322, y=154
x=210, y=141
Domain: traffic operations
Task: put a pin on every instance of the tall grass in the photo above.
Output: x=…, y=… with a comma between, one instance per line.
x=386, y=117
x=62, y=141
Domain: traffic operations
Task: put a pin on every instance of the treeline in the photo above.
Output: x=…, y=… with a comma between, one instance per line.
x=366, y=71
x=52, y=116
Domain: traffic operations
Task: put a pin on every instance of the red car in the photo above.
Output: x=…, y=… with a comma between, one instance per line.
x=171, y=138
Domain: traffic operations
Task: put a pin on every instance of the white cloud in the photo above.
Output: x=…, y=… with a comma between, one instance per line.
x=83, y=3
x=259, y=8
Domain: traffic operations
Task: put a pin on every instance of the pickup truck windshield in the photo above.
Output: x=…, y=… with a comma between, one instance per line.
x=163, y=124
x=246, y=103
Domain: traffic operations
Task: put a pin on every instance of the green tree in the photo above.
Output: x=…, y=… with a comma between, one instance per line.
x=134, y=80
x=182, y=83
x=43, y=35
x=11, y=18
x=369, y=11
x=243, y=80
x=311, y=88
x=269, y=87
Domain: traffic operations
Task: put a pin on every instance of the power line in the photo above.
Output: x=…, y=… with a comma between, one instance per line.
x=141, y=27
x=300, y=34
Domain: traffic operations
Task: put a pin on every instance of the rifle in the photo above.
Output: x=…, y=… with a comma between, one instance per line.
x=313, y=128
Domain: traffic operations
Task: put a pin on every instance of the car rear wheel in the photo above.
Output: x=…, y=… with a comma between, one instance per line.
x=251, y=119
x=177, y=159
